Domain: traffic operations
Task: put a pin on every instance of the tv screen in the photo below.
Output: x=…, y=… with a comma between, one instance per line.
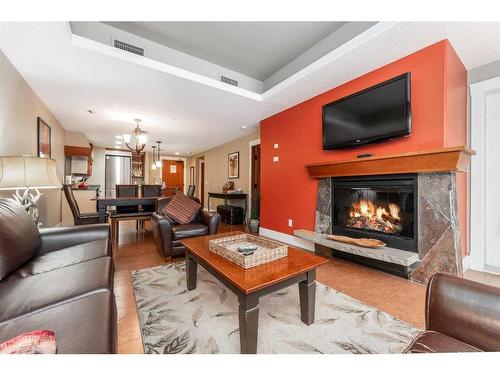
x=378, y=113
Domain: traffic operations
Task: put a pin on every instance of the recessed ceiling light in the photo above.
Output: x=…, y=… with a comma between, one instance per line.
x=244, y=127
x=118, y=142
x=90, y=111
x=189, y=152
x=118, y=136
x=117, y=146
x=177, y=153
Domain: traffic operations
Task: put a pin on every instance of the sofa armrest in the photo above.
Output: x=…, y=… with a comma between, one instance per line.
x=212, y=220
x=58, y=238
x=465, y=310
x=162, y=233
x=161, y=203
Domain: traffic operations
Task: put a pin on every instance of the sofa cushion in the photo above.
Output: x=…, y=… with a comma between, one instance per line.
x=435, y=342
x=28, y=295
x=181, y=208
x=62, y=258
x=84, y=325
x=189, y=230
x=19, y=237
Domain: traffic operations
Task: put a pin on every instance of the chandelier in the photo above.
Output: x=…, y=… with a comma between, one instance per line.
x=141, y=138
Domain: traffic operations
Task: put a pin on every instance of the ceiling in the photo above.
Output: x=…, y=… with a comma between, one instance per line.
x=193, y=115
x=256, y=49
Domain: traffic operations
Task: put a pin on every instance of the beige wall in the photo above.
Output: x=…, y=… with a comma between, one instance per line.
x=19, y=109
x=216, y=168
x=75, y=139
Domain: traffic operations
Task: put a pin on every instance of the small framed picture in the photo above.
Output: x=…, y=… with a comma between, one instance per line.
x=44, y=141
x=191, y=176
x=233, y=160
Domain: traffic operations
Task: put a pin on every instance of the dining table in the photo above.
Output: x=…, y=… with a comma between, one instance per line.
x=104, y=202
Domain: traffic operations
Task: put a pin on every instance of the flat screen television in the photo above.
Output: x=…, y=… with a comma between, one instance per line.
x=380, y=112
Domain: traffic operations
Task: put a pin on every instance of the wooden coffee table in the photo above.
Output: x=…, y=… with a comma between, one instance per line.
x=299, y=267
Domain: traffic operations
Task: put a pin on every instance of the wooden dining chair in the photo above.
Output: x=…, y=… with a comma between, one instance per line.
x=127, y=191
x=130, y=213
x=150, y=191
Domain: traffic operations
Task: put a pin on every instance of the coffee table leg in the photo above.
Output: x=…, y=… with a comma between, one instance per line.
x=249, y=324
x=307, y=293
x=191, y=268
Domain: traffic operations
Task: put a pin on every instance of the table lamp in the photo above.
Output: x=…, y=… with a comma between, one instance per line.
x=29, y=173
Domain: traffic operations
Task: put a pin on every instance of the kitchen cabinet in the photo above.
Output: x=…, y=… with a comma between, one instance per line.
x=80, y=158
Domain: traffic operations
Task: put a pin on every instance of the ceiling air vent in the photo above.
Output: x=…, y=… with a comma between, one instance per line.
x=128, y=47
x=229, y=81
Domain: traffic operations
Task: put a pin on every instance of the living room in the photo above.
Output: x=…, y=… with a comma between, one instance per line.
x=216, y=185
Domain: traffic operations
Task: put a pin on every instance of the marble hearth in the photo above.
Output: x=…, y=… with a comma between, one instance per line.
x=438, y=225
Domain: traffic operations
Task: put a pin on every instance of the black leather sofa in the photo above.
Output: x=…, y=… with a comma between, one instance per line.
x=168, y=234
x=58, y=279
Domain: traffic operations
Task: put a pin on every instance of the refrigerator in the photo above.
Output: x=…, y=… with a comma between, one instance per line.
x=117, y=171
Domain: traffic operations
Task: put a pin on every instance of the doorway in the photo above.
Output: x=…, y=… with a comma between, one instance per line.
x=254, y=171
x=485, y=179
x=202, y=183
x=172, y=173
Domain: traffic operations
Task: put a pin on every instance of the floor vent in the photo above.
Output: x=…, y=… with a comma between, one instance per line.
x=229, y=81
x=128, y=47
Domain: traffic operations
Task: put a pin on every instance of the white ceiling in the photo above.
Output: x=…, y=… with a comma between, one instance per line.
x=193, y=116
x=256, y=49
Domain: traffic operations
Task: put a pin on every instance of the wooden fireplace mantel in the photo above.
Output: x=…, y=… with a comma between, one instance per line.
x=450, y=159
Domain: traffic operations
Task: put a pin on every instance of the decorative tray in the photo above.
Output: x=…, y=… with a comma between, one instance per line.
x=267, y=250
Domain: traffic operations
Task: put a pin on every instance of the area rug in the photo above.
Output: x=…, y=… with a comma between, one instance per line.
x=205, y=320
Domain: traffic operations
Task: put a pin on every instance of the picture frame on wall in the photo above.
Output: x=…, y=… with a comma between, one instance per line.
x=44, y=145
x=191, y=176
x=233, y=161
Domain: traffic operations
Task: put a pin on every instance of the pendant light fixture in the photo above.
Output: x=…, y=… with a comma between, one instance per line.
x=153, y=166
x=141, y=138
x=158, y=159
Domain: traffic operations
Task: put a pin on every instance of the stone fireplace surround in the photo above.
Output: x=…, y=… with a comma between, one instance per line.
x=438, y=225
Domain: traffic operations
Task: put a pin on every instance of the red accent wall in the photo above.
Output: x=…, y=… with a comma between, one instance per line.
x=438, y=98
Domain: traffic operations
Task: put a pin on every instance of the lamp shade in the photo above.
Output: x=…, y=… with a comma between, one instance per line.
x=21, y=172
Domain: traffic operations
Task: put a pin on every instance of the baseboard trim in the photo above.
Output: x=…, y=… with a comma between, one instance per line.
x=466, y=263
x=287, y=238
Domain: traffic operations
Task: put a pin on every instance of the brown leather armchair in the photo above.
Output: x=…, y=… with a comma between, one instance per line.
x=168, y=234
x=460, y=316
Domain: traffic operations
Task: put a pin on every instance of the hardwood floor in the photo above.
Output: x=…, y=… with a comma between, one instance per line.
x=401, y=298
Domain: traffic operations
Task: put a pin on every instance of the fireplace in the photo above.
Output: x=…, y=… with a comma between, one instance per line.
x=381, y=207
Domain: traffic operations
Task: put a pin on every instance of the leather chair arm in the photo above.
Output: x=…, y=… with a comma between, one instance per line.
x=162, y=233
x=465, y=310
x=161, y=203
x=212, y=220
x=58, y=238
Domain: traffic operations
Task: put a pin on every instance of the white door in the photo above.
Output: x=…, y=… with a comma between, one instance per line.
x=485, y=176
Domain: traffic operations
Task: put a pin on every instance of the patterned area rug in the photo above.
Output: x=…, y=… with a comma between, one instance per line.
x=205, y=320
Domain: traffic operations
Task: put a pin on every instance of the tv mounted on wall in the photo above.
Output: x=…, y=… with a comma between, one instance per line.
x=380, y=112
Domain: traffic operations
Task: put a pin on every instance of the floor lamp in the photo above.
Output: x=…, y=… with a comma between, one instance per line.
x=31, y=174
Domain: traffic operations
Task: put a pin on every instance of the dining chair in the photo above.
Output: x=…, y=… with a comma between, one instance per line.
x=190, y=192
x=78, y=217
x=130, y=213
x=150, y=191
x=127, y=191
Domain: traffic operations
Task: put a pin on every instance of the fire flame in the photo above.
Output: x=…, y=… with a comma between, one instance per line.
x=365, y=214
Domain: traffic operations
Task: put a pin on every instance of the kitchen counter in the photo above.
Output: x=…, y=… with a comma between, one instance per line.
x=89, y=187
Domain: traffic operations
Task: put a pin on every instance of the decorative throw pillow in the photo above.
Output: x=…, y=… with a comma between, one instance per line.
x=181, y=208
x=35, y=342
